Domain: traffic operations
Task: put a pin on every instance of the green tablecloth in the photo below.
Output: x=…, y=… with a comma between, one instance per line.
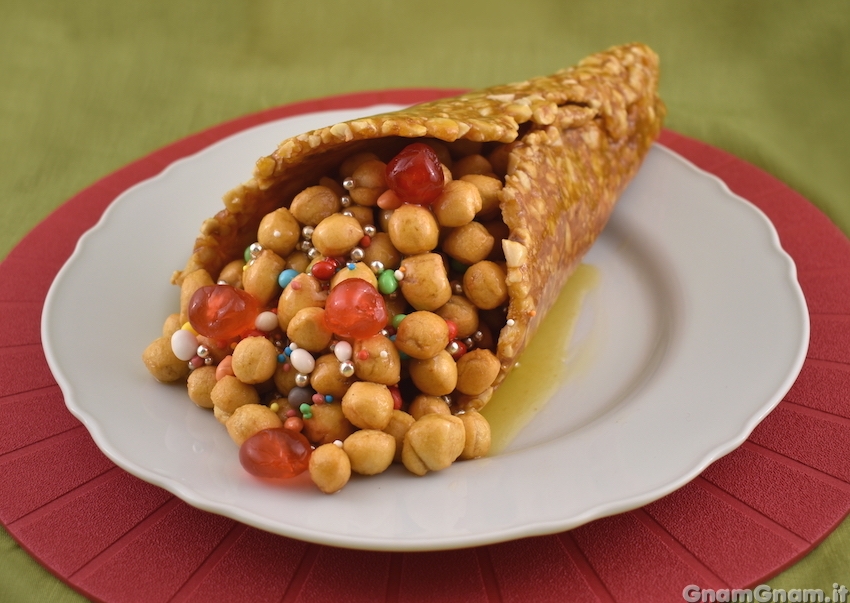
x=90, y=85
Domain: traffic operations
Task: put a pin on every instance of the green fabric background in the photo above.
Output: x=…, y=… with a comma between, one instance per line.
x=90, y=85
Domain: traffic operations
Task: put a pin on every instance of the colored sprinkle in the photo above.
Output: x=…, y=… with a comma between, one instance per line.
x=285, y=277
x=306, y=411
x=329, y=398
x=397, y=320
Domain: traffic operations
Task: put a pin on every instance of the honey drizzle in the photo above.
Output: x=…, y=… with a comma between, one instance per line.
x=543, y=365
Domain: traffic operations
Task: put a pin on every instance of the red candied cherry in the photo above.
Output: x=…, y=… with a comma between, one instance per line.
x=223, y=312
x=354, y=308
x=416, y=175
x=277, y=453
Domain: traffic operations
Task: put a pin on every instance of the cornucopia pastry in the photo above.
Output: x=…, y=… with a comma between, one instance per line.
x=358, y=300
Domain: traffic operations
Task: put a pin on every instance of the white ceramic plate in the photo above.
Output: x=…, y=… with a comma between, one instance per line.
x=696, y=330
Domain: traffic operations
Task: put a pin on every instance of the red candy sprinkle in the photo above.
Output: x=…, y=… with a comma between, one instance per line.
x=396, y=394
x=452, y=329
x=461, y=349
x=354, y=308
x=222, y=311
x=324, y=269
x=275, y=453
x=415, y=174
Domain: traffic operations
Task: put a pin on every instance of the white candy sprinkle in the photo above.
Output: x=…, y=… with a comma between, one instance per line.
x=338, y=443
x=302, y=361
x=184, y=344
x=266, y=321
x=510, y=322
x=399, y=275
x=342, y=350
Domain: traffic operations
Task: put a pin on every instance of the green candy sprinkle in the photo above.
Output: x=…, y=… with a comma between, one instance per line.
x=397, y=320
x=387, y=283
x=306, y=411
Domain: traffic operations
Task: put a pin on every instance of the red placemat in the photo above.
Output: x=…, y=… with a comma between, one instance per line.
x=115, y=538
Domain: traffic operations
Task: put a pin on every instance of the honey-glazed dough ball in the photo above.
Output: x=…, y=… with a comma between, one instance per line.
x=298, y=261
x=457, y=204
x=248, y=419
x=337, y=235
x=435, y=376
x=232, y=273
x=314, y=204
x=200, y=384
x=413, y=229
x=471, y=164
x=490, y=189
x=369, y=182
x=422, y=335
x=462, y=313
x=424, y=404
x=171, y=325
x=307, y=329
x=370, y=451
x=284, y=378
x=254, y=360
x=327, y=424
x=364, y=215
x=368, y=405
x=381, y=249
x=191, y=283
x=433, y=443
x=425, y=285
x=350, y=163
x=484, y=284
x=327, y=379
x=229, y=393
x=260, y=276
x=303, y=291
x=360, y=270
x=162, y=363
x=376, y=359
x=279, y=231
x=476, y=371
x=500, y=231
x=469, y=243
x=478, y=436
x=399, y=423
x=330, y=468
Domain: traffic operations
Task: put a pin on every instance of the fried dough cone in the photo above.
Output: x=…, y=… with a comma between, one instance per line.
x=572, y=142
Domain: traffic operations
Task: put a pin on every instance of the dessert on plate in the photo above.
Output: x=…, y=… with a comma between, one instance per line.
x=359, y=299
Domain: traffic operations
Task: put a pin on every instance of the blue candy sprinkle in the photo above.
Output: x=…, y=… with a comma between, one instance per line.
x=285, y=277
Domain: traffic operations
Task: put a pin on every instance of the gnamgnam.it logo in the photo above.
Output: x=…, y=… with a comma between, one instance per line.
x=763, y=593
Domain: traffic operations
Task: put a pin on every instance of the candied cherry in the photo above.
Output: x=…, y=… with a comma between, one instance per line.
x=223, y=312
x=354, y=308
x=416, y=175
x=277, y=453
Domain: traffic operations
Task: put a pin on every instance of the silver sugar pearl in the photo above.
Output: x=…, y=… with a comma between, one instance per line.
x=469, y=342
x=302, y=380
x=208, y=360
x=345, y=200
x=357, y=254
x=369, y=230
x=453, y=348
x=255, y=249
x=458, y=288
x=447, y=400
x=377, y=266
x=203, y=351
x=347, y=212
x=348, y=183
x=307, y=232
x=385, y=332
x=346, y=368
x=314, y=253
x=478, y=336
